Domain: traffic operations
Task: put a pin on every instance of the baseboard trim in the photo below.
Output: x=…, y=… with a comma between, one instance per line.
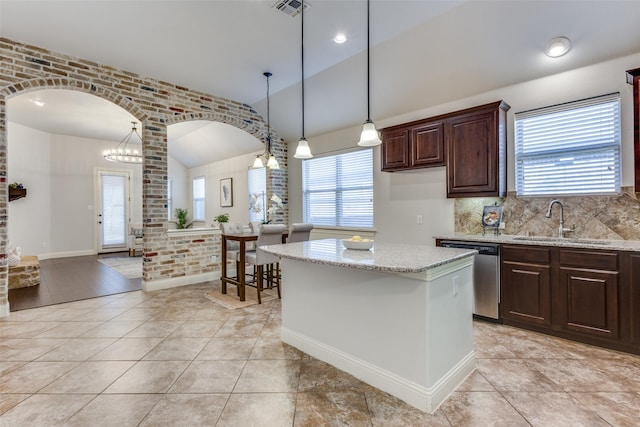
x=54, y=255
x=426, y=399
x=175, y=282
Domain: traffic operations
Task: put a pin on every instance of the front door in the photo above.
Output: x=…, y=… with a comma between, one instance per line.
x=113, y=211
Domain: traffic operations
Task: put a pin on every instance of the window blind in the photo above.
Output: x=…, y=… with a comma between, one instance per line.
x=257, y=186
x=569, y=149
x=170, y=199
x=198, y=199
x=338, y=190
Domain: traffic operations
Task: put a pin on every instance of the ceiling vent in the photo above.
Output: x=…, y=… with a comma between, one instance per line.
x=290, y=7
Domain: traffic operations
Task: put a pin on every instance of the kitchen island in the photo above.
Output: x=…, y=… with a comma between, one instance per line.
x=398, y=317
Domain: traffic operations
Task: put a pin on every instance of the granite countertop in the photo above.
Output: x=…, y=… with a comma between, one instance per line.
x=570, y=242
x=385, y=257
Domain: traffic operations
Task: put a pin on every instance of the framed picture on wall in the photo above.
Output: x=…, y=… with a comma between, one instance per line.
x=226, y=192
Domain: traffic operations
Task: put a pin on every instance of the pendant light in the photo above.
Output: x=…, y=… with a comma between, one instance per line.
x=302, y=151
x=369, y=136
x=272, y=162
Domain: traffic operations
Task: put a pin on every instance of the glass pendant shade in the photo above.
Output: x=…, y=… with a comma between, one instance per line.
x=257, y=163
x=369, y=136
x=272, y=163
x=303, y=151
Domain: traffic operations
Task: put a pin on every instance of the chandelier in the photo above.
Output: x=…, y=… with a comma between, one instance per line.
x=122, y=153
x=272, y=162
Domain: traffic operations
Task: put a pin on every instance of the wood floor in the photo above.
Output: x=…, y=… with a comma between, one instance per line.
x=72, y=279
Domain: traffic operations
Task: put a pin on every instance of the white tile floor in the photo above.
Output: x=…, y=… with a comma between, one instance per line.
x=175, y=358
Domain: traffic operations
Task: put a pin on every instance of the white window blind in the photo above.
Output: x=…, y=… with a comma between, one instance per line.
x=257, y=179
x=569, y=149
x=170, y=199
x=198, y=199
x=338, y=190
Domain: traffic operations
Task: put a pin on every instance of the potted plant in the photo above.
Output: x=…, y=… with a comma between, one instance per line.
x=221, y=218
x=182, y=218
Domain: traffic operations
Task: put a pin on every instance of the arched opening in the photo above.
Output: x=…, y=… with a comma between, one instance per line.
x=55, y=143
x=209, y=152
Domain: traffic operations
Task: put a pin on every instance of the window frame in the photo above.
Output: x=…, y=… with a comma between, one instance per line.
x=195, y=200
x=338, y=191
x=586, y=146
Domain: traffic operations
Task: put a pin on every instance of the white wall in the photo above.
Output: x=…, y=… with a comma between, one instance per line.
x=29, y=226
x=235, y=168
x=179, y=174
x=399, y=197
x=58, y=217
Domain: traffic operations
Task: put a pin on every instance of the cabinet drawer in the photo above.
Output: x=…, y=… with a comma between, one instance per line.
x=596, y=260
x=530, y=254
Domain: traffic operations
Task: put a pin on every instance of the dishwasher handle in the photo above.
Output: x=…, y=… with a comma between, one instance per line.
x=482, y=248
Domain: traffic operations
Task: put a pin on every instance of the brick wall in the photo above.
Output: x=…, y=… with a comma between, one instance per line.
x=25, y=68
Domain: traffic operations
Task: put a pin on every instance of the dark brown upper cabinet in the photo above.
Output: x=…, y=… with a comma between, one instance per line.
x=470, y=142
x=633, y=78
x=476, y=143
x=411, y=146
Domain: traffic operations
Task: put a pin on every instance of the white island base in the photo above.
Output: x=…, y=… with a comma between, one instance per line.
x=409, y=334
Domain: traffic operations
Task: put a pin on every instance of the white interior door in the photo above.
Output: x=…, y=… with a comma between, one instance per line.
x=113, y=210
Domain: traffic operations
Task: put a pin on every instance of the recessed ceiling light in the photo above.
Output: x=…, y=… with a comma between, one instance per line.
x=38, y=102
x=340, y=38
x=558, y=47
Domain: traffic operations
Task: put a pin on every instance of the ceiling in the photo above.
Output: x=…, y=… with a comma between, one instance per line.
x=423, y=53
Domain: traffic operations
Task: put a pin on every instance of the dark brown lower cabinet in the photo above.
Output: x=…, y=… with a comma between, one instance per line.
x=527, y=299
x=634, y=301
x=589, y=302
x=592, y=296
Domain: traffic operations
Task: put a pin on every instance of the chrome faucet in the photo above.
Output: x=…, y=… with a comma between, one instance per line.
x=561, y=228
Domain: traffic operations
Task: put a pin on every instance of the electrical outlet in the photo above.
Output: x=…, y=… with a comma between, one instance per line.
x=419, y=219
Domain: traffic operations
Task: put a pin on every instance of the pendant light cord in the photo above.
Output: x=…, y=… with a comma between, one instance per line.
x=302, y=65
x=267, y=75
x=368, y=68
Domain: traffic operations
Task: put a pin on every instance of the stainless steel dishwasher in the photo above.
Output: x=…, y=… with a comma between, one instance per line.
x=486, y=277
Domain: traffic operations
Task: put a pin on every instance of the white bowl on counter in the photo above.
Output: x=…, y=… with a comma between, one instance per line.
x=357, y=244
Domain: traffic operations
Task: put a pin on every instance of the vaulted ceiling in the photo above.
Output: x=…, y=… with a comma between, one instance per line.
x=423, y=52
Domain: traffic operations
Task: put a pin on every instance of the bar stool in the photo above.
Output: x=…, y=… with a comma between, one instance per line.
x=233, y=248
x=269, y=234
x=299, y=232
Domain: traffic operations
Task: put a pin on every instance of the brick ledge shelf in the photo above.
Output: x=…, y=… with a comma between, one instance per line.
x=25, y=274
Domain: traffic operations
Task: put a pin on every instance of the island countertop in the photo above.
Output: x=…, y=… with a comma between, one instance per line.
x=385, y=257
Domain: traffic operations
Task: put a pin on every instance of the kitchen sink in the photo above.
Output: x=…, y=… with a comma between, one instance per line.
x=563, y=239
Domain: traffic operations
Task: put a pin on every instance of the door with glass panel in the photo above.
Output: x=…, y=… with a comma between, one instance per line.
x=113, y=211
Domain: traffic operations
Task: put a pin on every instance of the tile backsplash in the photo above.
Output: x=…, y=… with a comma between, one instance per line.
x=595, y=217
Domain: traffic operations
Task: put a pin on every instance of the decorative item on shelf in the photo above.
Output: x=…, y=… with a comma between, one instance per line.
x=182, y=219
x=122, y=153
x=267, y=156
x=16, y=191
x=369, y=136
x=276, y=205
x=222, y=218
x=226, y=192
x=491, y=218
x=302, y=151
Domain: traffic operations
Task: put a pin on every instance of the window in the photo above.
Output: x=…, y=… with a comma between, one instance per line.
x=569, y=149
x=338, y=190
x=257, y=180
x=170, y=199
x=198, y=199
